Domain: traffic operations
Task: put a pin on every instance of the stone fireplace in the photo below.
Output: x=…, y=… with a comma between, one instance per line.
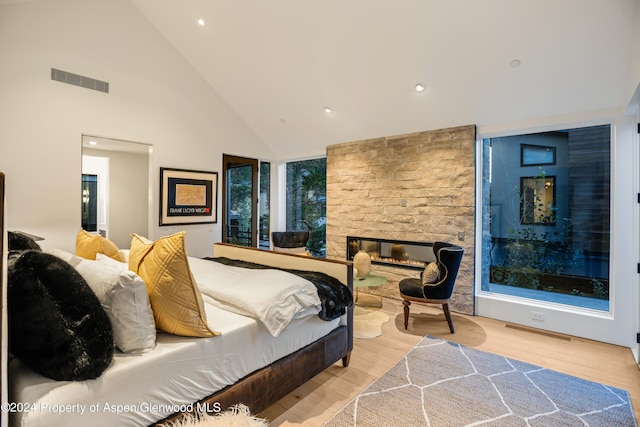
x=416, y=188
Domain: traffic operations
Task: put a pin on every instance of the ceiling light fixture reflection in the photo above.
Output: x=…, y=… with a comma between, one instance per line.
x=328, y=110
x=201, y=22
x=420, y=87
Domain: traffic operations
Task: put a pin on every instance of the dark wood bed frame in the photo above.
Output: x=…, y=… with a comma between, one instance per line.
x=264, y=387
x=4, y=416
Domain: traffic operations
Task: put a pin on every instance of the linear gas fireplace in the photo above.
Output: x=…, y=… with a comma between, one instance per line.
x=397, y=253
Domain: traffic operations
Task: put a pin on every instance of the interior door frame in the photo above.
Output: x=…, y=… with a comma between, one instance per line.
x=229, y=162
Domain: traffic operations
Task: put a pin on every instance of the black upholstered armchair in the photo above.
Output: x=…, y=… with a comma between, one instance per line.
x=290, y=241
x=438, y=290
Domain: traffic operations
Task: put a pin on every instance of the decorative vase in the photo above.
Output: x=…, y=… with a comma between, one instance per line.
x=362, y=263
x=398, y=252
x=354, y=247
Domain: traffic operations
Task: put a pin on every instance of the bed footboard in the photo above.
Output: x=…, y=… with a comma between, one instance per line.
x=341, y=270
x=264, y=387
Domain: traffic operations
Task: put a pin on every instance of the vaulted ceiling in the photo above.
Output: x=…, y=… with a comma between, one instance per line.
x=279, y=63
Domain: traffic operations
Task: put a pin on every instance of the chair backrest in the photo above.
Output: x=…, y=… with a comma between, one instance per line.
x=449, y=256
x=290, y=240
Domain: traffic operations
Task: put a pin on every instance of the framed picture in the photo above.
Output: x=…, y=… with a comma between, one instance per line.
x=188, y=197
x=537, y=155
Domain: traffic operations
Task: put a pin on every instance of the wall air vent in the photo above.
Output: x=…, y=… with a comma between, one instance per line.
x=78, y=80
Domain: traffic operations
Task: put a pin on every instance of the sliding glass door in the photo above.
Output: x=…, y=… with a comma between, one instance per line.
x=240, y=189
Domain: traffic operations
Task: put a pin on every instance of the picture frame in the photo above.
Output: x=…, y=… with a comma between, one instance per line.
x=537, y=155
x=188, y=197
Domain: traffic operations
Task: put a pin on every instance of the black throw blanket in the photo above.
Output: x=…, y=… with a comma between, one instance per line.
x=335, y=297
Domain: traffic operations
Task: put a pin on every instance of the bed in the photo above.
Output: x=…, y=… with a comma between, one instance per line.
x=248, y=360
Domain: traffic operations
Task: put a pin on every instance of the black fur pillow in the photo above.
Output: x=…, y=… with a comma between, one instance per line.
x=57, y=326
x=21, y=242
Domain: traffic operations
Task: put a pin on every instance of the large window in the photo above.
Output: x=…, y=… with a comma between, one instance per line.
x=546, y=216
x=307, y=201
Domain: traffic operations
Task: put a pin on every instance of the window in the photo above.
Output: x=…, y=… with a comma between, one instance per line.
x=546, y=214
x=265, y=203
x=307, y=201
x=534, y=155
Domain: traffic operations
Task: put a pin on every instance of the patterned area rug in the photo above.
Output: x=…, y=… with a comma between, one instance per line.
x=442, y=384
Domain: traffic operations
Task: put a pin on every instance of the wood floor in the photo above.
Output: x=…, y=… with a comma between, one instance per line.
x=319, y=399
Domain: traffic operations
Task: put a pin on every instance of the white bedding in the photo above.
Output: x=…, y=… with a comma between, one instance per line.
x=274, y=297
x=137, y=390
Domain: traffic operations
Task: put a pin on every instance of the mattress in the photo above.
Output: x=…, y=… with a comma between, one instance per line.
x=137, y=390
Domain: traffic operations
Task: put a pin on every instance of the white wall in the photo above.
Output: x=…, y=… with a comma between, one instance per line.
x=635, y=70
x=155, y=97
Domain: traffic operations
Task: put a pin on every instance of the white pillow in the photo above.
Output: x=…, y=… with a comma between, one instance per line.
x=123, y=294
x=64, y=255
x=124, y=255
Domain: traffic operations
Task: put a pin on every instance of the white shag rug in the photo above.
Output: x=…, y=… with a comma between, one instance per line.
x=367, y=323
x=236, y=416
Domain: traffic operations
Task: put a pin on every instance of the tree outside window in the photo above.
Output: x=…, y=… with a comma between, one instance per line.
x=307, y=201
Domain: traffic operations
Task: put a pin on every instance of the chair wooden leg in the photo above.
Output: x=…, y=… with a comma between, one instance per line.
x=447, y=314
x=406, y=312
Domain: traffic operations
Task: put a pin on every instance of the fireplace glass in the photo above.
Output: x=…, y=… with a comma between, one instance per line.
x=397, y=253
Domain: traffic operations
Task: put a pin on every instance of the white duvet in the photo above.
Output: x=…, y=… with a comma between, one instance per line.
x=274, y=297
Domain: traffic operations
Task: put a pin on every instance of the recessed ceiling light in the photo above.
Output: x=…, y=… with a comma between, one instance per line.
x=515, y=63
x=419, y=87
x=201, y=22
x=328, y=110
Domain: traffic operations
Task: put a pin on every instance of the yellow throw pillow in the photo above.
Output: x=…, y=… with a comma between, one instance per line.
x=88, y=245
x=175, y=298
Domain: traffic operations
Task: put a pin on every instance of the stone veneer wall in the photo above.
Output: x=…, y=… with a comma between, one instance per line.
x=418, y=187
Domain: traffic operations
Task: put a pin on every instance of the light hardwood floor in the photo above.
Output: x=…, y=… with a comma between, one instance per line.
x=319, y=399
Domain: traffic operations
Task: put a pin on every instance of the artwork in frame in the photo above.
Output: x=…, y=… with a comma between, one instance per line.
x=188, y=197
x=537, y=155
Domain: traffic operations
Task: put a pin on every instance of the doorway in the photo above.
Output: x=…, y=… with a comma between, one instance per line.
x=116, y=195
x=240, y=201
